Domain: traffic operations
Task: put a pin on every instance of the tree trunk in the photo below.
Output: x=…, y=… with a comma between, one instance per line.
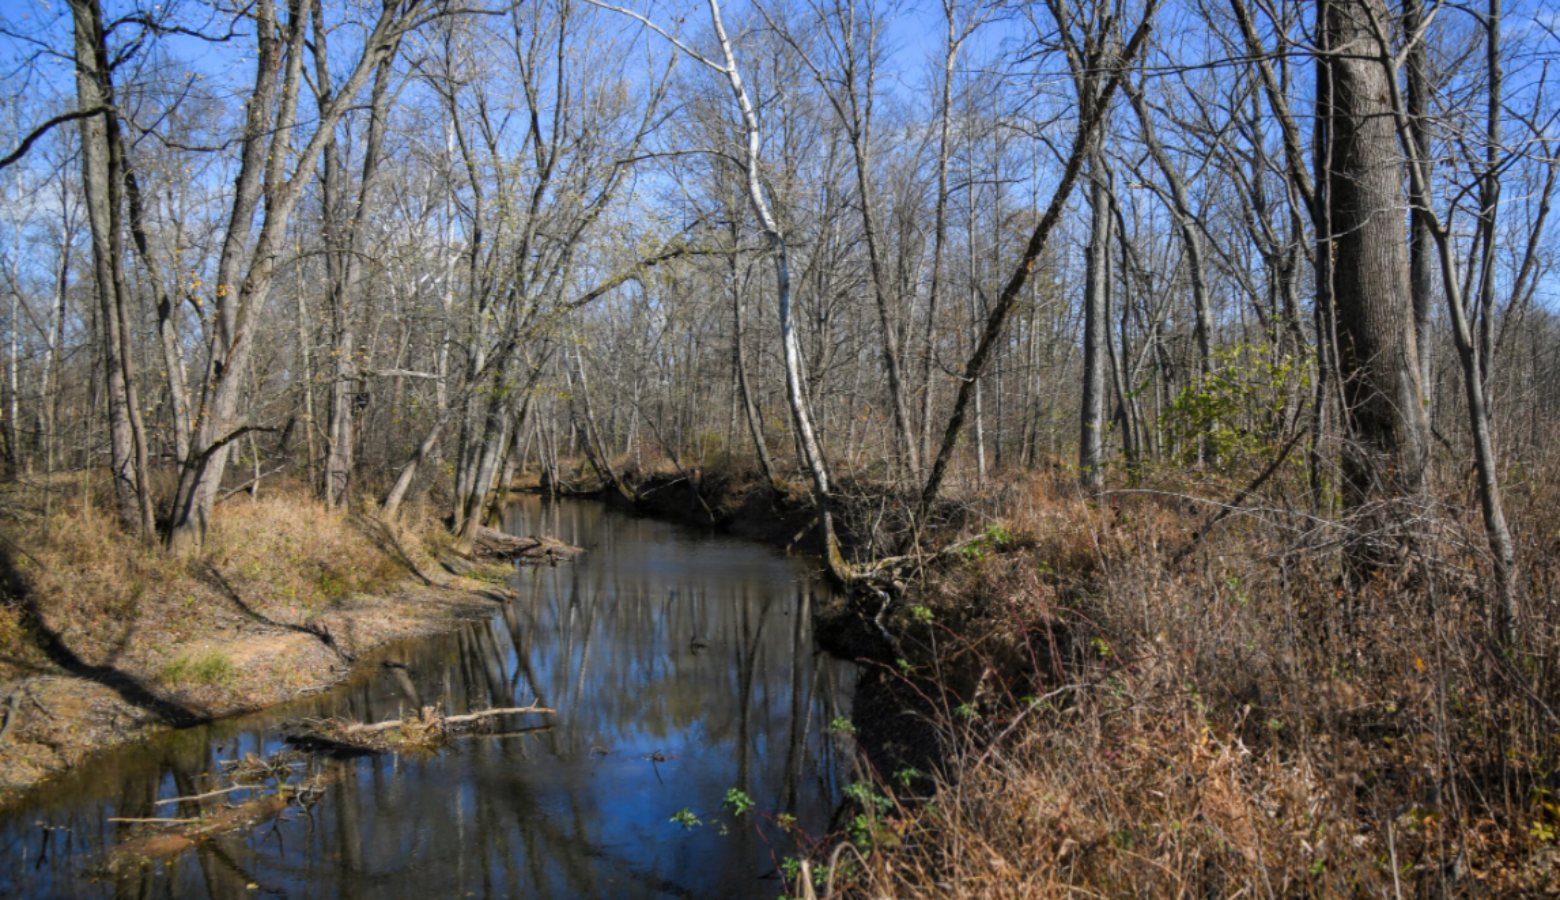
x=1385, y=451
x=1469, y=349
x=1091, y=435
x=351, y=238
x=167, y=315
x=1422, y=262
x=1094, y=110
x=796, y=392
x=102, y=168
x=750, y=408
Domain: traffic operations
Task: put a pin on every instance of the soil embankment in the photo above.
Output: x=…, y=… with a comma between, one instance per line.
x=103, y=642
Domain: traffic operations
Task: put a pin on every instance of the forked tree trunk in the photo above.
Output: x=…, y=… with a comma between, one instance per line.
x=102, y=168
x=245, y=272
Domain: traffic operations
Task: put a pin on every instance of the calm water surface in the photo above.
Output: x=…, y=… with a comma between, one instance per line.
x=660, y=640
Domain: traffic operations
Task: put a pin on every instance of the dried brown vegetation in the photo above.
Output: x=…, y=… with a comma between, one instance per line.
x=1112, y=723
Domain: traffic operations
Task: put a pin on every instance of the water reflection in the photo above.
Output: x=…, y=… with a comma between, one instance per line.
x=691, y=649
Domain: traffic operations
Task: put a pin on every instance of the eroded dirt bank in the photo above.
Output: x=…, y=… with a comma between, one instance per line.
x=103, y=643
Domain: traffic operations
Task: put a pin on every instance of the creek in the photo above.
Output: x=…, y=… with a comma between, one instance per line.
x=681, y=664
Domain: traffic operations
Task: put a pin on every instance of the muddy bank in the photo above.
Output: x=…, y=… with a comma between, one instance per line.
x=742, y=504
x=736, y=504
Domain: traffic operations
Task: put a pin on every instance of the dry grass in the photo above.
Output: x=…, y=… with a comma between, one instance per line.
x=1240, y=724
x=280, y=561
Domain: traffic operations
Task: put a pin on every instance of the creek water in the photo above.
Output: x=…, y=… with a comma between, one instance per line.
x=660, y=643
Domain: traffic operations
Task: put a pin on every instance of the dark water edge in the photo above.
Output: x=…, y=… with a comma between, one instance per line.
x=662, y=640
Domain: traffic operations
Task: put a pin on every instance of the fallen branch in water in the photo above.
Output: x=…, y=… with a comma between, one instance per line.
x=164, y=838
x=490, y=543
x=448, y=721
x=427, y=729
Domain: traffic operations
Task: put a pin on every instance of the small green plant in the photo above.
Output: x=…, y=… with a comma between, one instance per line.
x=863, y=793
x=994, y=537
x=922, y=614
x=685, y=818
x=1546, y=823
x=905, y=776
x=860, y=829
x=843, y=725
x=211, y=668
x=738, y=801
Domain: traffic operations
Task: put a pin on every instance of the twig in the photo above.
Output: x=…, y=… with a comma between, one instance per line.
x=157, y=821
x=216, y=793
x=228, y=495
x=1021, y=717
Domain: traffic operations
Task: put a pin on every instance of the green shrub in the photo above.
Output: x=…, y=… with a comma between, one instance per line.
x=1216, y=414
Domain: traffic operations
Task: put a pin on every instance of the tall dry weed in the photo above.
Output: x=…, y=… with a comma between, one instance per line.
x=1115, y=722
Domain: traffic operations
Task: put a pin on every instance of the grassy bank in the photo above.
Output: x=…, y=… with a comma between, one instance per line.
x=104, y=641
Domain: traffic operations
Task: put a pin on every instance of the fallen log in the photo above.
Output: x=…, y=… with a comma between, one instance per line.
x=171, y=836
x=490, y=543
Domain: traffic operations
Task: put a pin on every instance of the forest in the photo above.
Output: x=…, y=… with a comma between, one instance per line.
x=1166, y=388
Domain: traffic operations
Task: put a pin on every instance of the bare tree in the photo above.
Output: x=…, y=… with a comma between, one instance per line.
x=1097, y=51
x=245, y=273
x=102, y=166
